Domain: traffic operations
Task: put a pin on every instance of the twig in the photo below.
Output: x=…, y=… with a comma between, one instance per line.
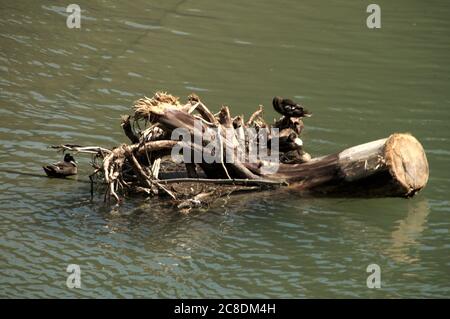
x=192, y=107
x=219, y=136
x=82, y=149
x=204, y=121
x=206, y=113
x=145, y=179
x=225, y=117
x=128, y=130
x=255, y=115
x=155, y=168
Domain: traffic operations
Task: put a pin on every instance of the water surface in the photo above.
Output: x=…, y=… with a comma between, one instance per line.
x=66, y=85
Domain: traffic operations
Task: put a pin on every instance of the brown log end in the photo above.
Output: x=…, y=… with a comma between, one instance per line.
x=407, y=162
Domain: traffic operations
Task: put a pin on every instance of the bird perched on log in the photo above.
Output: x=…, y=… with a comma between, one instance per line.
x=67, y=167
x=289, y=143
x=289, y=108
x=291, y=149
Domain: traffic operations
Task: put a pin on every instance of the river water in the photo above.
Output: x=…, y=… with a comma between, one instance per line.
x=61, y=85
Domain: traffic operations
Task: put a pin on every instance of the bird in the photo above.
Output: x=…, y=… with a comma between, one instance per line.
x=67, y=167
x=289, y=108
x=290, y=142
x=287, y=143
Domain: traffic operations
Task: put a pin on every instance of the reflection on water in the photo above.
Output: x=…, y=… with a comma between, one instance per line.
x=59, y=85
x=406, y=236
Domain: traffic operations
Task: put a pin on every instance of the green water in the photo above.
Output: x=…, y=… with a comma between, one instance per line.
x=68, y=85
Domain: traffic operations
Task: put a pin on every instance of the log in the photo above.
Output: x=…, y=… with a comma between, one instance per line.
x=391, y=167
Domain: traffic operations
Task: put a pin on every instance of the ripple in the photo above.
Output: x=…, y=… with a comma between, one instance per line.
x=141, y=26
x=197, y=89
x=61, y=85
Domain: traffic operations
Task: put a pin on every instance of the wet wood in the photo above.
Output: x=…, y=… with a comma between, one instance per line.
x=394, y=166
x=128, y=130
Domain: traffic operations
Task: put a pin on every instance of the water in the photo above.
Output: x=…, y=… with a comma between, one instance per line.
x=61, y=85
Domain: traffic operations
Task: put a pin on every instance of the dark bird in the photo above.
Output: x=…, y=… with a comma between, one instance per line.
x=289, y=108
x=64, y=168
x=287, y=143
x=290, y=142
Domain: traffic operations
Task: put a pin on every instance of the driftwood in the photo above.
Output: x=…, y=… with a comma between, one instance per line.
x=395, y=166
x=391, y=167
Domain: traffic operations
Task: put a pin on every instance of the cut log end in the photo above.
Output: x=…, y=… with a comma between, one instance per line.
x=391, y=167
x=407, y=163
